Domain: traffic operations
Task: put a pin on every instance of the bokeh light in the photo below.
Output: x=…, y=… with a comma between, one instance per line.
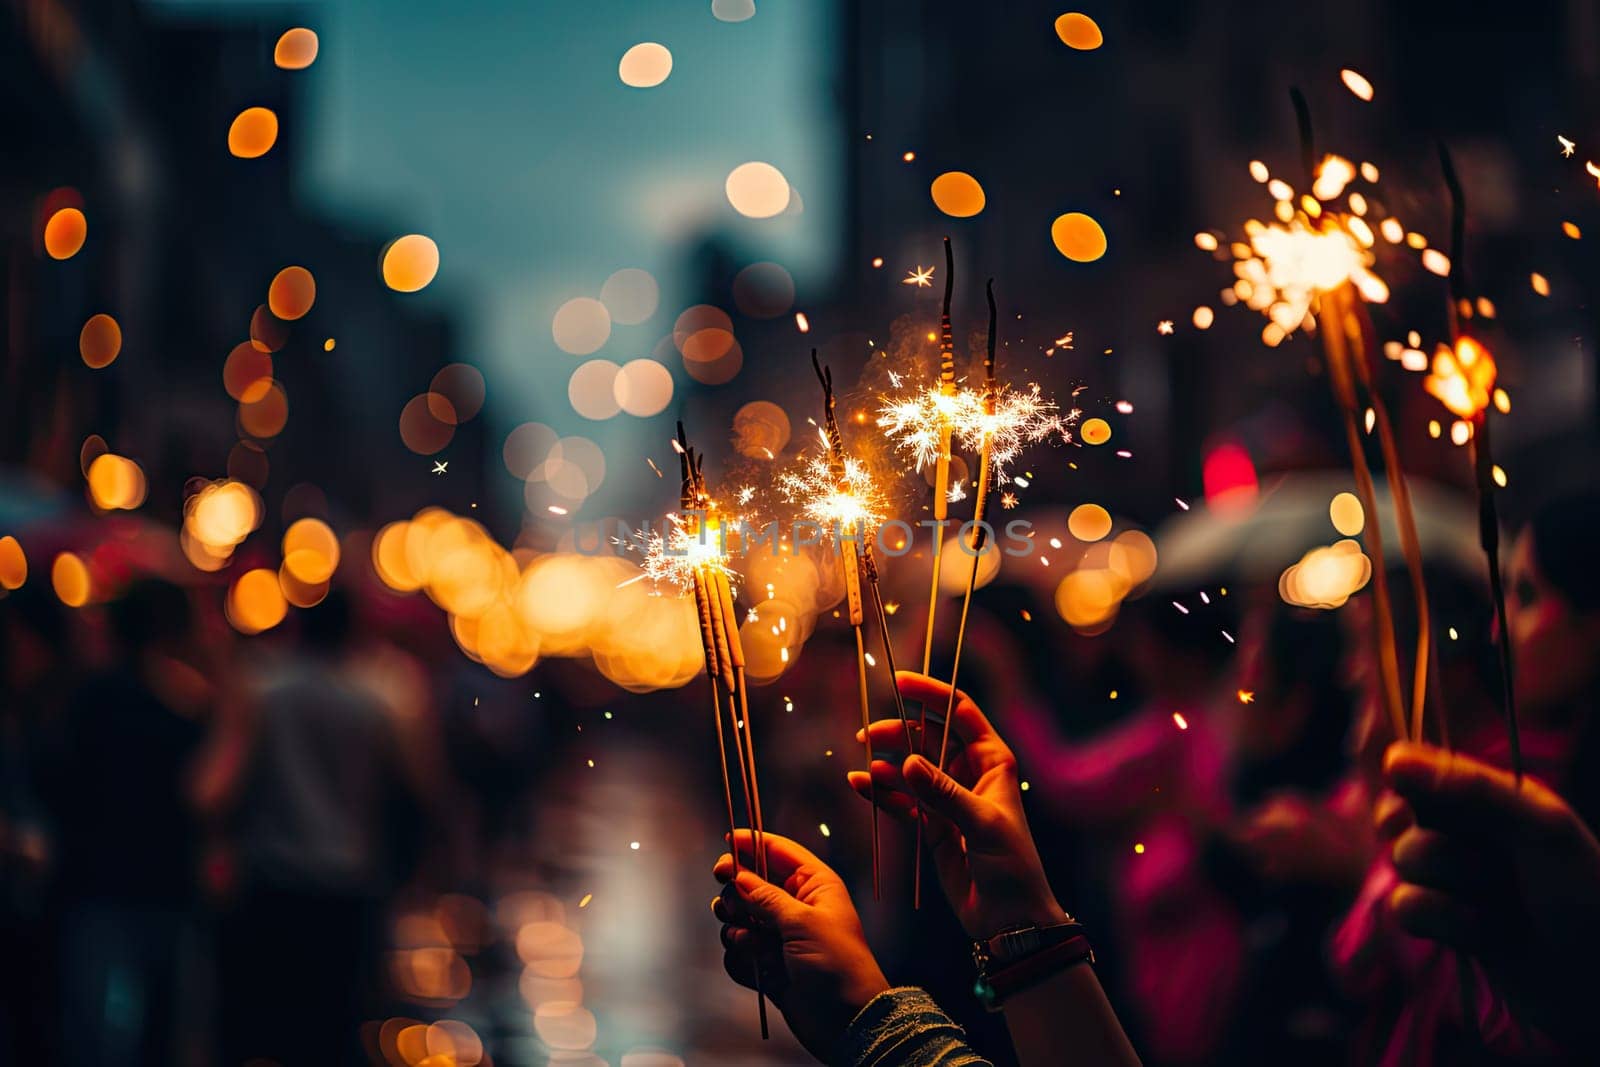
x=266, y=416
x=760, y=430
x=958, y=194
x=592, y=389
x=1079, y=31
x=1347, y=514
x=100, y=341
x=69, y=577
x=461, y=387
x=255, y=603
x=296, y=49
x=581, y=326
x=643, y=387
x=268, y=332
x=292, y=293
x=757, y=190
x=13, y=563
x=1095, y=431
x=1078, y=237
x=526, y=448
x=423, y=431
x=733, y=10
x=310, y=551
x=1089, y=522
x=65, y=233
x=410, y=263
x=631, y=296
x=645, y=65
x=116, y=483
x=763, y=290
x=253, y=133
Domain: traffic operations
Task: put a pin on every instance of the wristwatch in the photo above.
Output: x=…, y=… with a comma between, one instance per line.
x=1021, y=956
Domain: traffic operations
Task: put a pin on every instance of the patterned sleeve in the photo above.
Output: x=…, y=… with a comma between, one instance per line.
x=903, y=1027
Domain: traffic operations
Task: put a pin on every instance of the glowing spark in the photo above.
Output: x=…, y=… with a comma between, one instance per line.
x=1138, y=847
x=683, y=546
x=1594, y=171
x=1246, y=696
x=653, y=467
x=634, y=845
x=914, y=422
x=922, y=277
x=824, y=828
x=957, y=493
x=584, y=903
x=1020, y=418
x=1064, y=341
x=1164, y=326
x=1179, y=721
x=1356, y=84
x=1008, y=500
x=557, y=509
x=891, y=607
x=1180, y=503
x=1453, y=635
x=746, y=494
x=1462, y=379
x=802, y=322
x=894, y=380
x=877, y=261
x=855, y=503
x=440, y=468
x=1180, y=607
x=1566, y=146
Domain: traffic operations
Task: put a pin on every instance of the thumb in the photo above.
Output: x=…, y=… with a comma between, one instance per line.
x=943, y=795
x=765, y=901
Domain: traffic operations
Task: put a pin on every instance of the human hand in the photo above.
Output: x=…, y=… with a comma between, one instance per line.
x=988, y=865
x=803, y=932
x=1505, y=871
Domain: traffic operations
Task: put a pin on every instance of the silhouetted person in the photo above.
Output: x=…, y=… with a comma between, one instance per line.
x=321, y=783
x=127, y=835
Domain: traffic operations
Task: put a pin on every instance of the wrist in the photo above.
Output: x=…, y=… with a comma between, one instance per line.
x=1036, y=910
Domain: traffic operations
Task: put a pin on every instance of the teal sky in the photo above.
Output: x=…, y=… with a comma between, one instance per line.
x=500, y=128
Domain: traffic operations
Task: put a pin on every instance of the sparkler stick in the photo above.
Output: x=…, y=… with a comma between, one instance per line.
x=941, y=470
x=725, y=672
x=849, y=557
x=941, y=512
x=980, y=500
x=1465, y=383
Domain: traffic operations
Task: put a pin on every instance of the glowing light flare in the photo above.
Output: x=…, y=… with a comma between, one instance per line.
x=253, y=133
x=1463, y=378
x=409, y=263
x=757, y=190
x=958, y=194
x=1540, y=283
x=1326, y=577
x=851, y=503
x=1020, y=417
x=645, y=65
x=100, y=341
x=296, y=49
x=69, y=578
x=1079, y=32
x=1078, y=237
x=65, y=232
x=13, y=563
x=1358, y=85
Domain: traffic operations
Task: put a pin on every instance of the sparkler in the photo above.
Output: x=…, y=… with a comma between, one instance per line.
x=1463, y=380
x=837, y=491
x=703, y=567
x=1315, y=261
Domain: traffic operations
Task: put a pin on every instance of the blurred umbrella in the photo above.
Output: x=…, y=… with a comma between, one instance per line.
x=1256, y=541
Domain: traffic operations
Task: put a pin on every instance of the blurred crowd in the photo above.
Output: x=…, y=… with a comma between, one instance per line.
x=283, y=849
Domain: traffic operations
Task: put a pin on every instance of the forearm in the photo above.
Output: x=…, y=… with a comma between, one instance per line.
x=903, y=1027
x=1067, y=1019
